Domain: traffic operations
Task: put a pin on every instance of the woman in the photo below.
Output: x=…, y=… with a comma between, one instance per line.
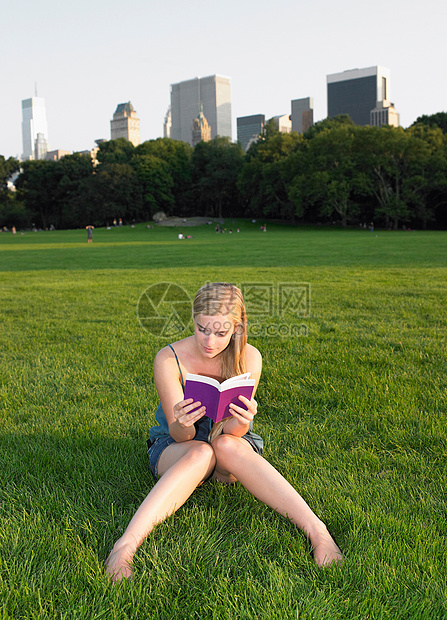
x=185, y=450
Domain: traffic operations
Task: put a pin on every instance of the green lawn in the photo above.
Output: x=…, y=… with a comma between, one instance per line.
x=353, y=414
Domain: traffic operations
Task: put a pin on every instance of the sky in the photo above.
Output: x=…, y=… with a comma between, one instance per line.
x=85, y=57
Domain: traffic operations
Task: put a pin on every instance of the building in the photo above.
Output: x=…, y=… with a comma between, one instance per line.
x=56, y=155
x=283, y=123
x=125, y=124
x=201, y=130
x=384, y=114
x=167, y=124
x=356, y=92
x=249, y=128
x=302, y=114
x=214, y=93
x=34, y=122
x=40, y=147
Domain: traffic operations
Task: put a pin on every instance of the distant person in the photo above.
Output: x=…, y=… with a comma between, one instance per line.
x=14, y=231
x=371, y=227
x=89, y=230
x=186, y=448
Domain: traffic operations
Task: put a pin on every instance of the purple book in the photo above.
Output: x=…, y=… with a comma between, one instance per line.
x=217, y=396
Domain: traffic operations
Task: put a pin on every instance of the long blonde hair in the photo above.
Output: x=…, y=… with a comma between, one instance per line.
x=217, y=298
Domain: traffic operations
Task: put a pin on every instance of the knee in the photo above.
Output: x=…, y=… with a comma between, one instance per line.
x=227, y=448
x=201, y=454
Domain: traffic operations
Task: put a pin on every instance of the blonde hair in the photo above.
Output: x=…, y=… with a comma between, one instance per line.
x=222, y=298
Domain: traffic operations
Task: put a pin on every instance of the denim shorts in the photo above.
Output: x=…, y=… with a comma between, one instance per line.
x=156, y=448
x=161, y=443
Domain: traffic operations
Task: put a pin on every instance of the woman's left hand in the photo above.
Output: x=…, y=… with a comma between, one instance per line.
x=244, y=416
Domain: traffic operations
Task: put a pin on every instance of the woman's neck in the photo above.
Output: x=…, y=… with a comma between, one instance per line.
x=192, y=361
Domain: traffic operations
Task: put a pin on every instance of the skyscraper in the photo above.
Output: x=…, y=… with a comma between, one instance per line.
x=167, y=124
x=34, y=121
x=302, y=114
x=214, y=93
x=356, y=92
x=249, y=128
x=125, y=124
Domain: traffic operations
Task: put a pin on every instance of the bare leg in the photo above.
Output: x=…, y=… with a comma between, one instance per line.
x=237, y=460
x=182, y=467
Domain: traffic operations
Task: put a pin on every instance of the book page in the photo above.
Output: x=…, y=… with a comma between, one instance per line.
x=237, y=380
x=202, y=379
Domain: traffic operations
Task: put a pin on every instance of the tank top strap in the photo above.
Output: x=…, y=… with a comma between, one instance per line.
x=178, y=364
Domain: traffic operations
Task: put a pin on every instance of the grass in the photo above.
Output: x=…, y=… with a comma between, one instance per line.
x=354, y=415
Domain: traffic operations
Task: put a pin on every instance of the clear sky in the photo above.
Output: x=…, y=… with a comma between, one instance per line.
x=87, y=56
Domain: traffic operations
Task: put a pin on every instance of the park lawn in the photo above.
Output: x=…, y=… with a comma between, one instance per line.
x=353, y=414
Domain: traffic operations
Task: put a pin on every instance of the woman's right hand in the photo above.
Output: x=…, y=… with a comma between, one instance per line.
x=183, y=415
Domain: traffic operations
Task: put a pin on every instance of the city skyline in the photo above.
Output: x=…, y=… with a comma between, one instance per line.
x=108, y=56
x=212, y=94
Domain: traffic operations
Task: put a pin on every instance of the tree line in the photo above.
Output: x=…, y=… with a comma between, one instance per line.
x=336, y=172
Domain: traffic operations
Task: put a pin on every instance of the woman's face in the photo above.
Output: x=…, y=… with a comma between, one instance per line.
x=213, y=333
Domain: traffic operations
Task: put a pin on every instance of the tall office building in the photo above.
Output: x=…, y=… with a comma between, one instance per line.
x=34, y=122
x=249, y=128
x=167, y=124
x=214, y=93
x=302, y=114
x=125, y=124
x=356, y=92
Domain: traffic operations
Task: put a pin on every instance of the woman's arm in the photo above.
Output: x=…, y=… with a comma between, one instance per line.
x=170, y=392
x=239, y=423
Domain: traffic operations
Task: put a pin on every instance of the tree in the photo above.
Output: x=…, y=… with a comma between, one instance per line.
x=215, y=169
x=172, y=167
x=265, y=175
x=399, y=161
x=155, y=184
x=12, y=212
x=37, y=186
x=113, y=192
x=8, y=167
x=327, y=173
x=118, y=151
x=327, y=124
x=428, y=178
x=52, y=191
x=74, y=172
x=438, y=120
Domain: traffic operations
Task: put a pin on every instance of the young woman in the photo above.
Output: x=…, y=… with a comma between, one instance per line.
x=186, y=448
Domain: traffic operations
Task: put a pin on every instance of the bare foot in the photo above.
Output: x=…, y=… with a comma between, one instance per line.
x=118, y=565
x=324, y=548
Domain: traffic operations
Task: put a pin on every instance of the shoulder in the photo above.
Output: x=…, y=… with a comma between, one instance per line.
x=253, y=357
x=165, y=367
x=165, y=357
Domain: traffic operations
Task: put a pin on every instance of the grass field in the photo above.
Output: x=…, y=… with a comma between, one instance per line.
x=353, y=414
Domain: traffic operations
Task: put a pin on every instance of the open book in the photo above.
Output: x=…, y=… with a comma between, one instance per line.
x=217, y=396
